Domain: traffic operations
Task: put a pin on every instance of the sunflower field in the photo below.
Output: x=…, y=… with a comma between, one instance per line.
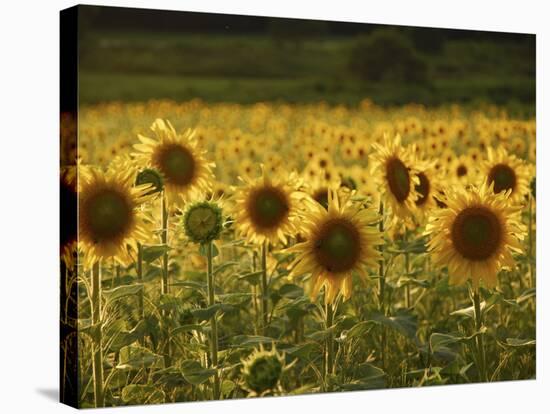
x=228, y=251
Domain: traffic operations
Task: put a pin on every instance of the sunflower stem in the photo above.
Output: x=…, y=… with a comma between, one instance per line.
x=264, y=291
x=97, y=352
x=139, y=269
x=164, y=281
x=530, y=243
x=213, y=322
x=407, y=286
x=329, y=355
x=255, y=294
x=482, y=367
x=381, y=287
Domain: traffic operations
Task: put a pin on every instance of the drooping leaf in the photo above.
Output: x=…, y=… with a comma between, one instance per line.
x=142, y=394
x=153, y=252
x=240, y=341
x=403, y=322
x=121, y=292
x=137, y=357
x=194, y=373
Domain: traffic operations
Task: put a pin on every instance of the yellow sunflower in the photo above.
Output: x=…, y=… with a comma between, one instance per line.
x=110, y=222
x=428, y=186
x=68, y=203
x=476, y=235
x=339, y=241
x=462, y=170
x=392, y=165
x=185, y=171
x=267, y=210
x=506, y=172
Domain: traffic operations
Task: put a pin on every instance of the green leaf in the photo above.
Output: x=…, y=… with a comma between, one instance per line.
x=235, y=299
x=203, y=250
x=250, y=340
x=224, y=266
x=291, y=291
x=186, y=328
x=369, y=377
x=358, y=330
x=151, y=253
x=527, y=294
x=137, y=357
x=123, y=338
x=142, y=394
x=207, y=313
x=516, y=342
x=121, y=292
x=194, y=373
x=227, y=387
x=253, y=278
x=403, y=322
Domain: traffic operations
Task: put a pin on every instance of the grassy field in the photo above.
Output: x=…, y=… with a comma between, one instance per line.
x=246, y=69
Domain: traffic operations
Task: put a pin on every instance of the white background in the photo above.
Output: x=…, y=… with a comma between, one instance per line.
x=29, y=209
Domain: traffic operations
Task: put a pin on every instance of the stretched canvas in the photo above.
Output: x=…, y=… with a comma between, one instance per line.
x=256, y=206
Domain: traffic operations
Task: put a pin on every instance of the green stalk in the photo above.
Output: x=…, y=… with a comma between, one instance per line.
x=255, y=295
x=164, y=240
x=97, y=352
x=408, y=286
x=329, y=346
x=482, y=360
x=530, y=241
x=381, y=287
x=164, y=281
x=139, y=268
x=264, y=292
x=213, y=323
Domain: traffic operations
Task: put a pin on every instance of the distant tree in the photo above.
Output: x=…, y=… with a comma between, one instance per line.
x=295, y=30
x=387, y=55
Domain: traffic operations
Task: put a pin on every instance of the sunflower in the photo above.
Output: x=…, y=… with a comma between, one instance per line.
x=110, y=222
x=392, y=164
x=462, y=170
x=267, y=210
x=68, y=204
x=428, y=186
x=185, y=171
x=506, y=172
x=476, y=235
x=339, y=241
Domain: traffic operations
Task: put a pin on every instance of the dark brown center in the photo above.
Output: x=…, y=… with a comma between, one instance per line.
x=398, y=179
x=503, y=177
x=476, y=233
x=337, y=245
x=176, y=164
x=268, y=207
x=106, y=215
x=423, y=189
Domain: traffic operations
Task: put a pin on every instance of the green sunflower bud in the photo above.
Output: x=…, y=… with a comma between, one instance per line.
x=203, y=222
x=150, y=176
x=263, y=371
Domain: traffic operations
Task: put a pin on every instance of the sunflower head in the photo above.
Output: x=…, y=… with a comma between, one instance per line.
x=109, y=222
x=69, y=211
x=152, y=177
x=506, y=172
x=262, y=372
x=203, y=222
x=176, y=157
x=340, y=241
x=476, y=235
x=393, y=166
x=266, y=209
